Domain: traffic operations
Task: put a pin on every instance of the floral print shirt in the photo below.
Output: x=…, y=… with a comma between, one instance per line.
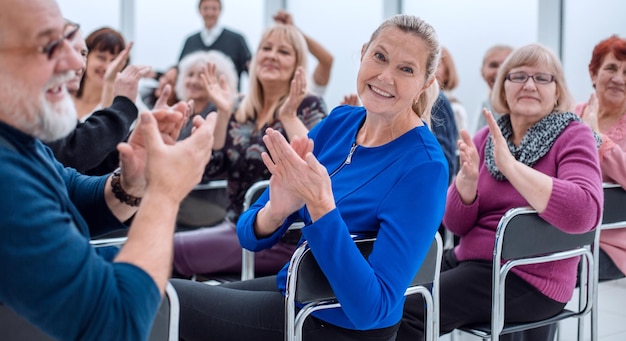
x=240, y=159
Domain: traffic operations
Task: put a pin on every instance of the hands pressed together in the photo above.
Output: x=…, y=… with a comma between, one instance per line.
x=297, y=177
x=153, y=159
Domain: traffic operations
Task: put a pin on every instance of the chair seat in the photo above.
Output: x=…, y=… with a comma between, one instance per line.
x=483, y=330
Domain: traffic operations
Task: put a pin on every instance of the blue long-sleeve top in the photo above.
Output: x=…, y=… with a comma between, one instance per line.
x=49, y=274
x=397, y=190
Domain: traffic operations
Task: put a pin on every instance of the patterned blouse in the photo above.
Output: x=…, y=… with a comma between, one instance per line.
x=240, y=159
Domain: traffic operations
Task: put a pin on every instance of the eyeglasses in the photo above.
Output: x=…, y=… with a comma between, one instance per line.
x=52, y=47
x=539, y=78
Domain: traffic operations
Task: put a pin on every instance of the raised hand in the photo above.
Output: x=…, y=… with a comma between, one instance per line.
x=169, y=121
x=220, y=93
x=298, y=175
x=117, y=64
x=127, y=81
x=501, y=153
x=466, y=180
x=351, y=99
x=283, y=17
x=590, y=114
x=297, y=92
x=186, y=108
x=175, y=169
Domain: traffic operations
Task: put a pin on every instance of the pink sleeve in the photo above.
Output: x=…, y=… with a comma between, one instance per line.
x=580, y=108
x=613, y=161
x=577, y=187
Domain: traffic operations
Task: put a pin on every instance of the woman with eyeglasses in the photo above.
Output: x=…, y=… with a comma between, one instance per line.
x=605, y=113
x=537, y=154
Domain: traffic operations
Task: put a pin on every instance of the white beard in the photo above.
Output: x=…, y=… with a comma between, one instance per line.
x=39, y=118
x=57, y=120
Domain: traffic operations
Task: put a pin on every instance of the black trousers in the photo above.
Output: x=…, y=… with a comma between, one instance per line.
x=465, y=298
x=251, y=310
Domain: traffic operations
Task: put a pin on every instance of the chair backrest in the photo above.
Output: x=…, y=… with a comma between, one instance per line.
x=104, y=242
x=307, y=284
x=204, y=206
x=254, y=192
x=522, y=233
x=247, y=257
x=165, y=325
x=522, y=238
x=311, y=283
x=614, y=207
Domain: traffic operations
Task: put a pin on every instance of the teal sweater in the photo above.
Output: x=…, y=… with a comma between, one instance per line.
x=397, y=190
x=49, y=273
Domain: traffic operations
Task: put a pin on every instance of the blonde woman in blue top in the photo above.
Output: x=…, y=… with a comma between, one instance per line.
x=376, y=168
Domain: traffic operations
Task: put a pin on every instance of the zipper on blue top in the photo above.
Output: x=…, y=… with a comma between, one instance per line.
x=347, y=161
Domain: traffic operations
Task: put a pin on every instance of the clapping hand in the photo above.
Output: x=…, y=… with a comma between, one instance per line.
x=170, y=120
x=590, y=114
x=297, y=176
x=117, y=64
x=127, y=81
x=351, y=99
x=297, y=92
x=220, y=93
x=501, y=153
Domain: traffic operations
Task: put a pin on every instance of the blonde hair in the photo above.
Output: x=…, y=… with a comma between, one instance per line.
x=532, y=55
x=450, y=78
x=252, y=103
x=422, y=105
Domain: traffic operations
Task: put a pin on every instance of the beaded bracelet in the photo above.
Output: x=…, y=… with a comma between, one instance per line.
x=119, y=192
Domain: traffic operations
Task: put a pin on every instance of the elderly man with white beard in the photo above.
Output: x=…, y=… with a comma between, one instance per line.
x=50, y=274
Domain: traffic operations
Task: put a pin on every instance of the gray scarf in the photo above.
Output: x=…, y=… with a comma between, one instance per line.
x=536, y=143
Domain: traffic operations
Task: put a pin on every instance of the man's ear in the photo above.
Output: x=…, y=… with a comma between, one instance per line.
x=363, y=48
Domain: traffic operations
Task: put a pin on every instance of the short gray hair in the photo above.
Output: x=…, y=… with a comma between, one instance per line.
x=223, y=66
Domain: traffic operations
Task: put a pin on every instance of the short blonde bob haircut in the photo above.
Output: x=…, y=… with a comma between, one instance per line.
x=532, y=55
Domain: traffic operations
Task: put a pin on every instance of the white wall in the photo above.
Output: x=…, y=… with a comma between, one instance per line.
x=97, y=14
x=342, y=27
x=466, y=28
x=586, y=24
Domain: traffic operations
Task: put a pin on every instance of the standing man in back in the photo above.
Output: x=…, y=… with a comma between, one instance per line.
x=215, y=36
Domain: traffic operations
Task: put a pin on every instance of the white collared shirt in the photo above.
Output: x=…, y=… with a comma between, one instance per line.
x=209, y=36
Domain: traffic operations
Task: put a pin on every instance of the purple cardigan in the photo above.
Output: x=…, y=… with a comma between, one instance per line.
x=575, y=206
